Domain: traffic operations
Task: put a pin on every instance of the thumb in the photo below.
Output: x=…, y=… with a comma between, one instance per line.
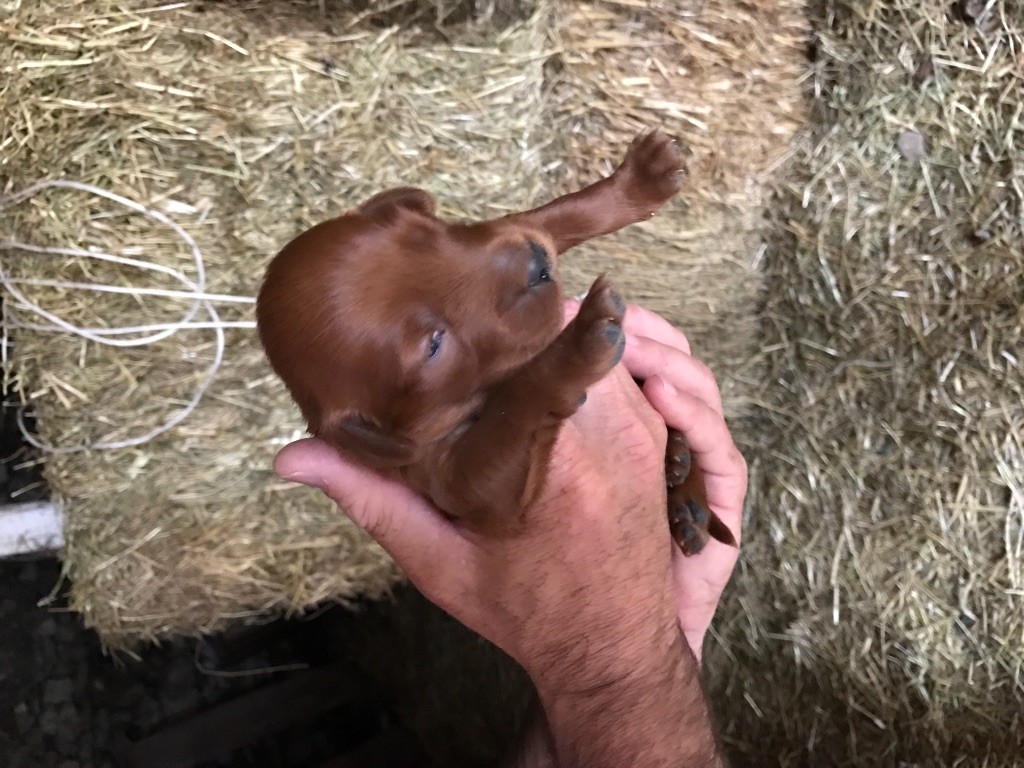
x=408, y=527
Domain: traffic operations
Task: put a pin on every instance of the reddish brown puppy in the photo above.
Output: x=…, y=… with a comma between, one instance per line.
x=434, y=351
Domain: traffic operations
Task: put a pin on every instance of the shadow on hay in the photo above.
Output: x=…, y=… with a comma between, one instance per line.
x=336, y=17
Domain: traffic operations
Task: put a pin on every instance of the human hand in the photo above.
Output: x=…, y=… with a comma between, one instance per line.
x=684, y=392
x=581, y=596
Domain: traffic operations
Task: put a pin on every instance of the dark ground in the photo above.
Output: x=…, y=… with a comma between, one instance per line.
x=65, y=703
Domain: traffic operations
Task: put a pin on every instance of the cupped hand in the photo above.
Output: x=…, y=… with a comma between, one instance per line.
x=684, y=392
x=583, y=594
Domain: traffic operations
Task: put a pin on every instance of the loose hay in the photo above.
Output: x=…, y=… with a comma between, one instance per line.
x=877, y=617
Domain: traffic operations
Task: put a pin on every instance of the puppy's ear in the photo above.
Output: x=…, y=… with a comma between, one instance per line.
x=402, y=197
x=364, y=439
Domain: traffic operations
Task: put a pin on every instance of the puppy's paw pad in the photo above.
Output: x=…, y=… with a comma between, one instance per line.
x=613, y=332
x=619, y=343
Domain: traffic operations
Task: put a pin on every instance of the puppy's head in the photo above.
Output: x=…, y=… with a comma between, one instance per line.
x=387, y=324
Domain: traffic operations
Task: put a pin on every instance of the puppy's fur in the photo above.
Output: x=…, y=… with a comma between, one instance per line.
x=434, y=352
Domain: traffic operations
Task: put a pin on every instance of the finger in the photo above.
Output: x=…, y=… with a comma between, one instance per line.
x=646, y=357
x=720, y=463
x=570, y=308
x=411, y=530
x=634, y=396
x=699, y=582
x=642, y=322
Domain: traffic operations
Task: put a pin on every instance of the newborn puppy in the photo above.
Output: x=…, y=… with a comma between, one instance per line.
x=434, y=352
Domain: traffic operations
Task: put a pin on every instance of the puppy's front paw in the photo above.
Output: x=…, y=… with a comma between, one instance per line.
x=653, y=169
x=597, y=328
x=590, y=346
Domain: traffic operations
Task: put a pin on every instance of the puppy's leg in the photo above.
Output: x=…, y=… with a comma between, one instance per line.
x=498, y=466
x=649, y=176
x=690, y=521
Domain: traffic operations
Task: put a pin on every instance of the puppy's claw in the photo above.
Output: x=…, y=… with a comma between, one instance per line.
x=677, y=468
x=677, y=458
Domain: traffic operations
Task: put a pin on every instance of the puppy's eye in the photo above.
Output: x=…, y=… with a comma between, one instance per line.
x=435, y=343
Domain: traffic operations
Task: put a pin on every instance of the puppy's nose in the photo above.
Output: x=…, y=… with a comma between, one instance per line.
x=540, y=266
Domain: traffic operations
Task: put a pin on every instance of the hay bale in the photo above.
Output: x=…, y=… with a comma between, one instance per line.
x=246, y=125
x=877, y=616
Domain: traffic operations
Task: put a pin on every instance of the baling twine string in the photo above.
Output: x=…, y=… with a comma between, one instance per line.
x=123, y=336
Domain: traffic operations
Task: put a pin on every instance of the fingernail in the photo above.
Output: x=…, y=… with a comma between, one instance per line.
x=311, y=480
x=668, y=387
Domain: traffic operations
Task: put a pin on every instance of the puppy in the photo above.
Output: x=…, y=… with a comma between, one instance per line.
x=434, y=352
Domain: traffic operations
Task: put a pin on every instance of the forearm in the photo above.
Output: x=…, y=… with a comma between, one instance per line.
x=661, y=720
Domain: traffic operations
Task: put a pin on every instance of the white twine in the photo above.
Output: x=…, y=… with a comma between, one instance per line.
x=133, y=336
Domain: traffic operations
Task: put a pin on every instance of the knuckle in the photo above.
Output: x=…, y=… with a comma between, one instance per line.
x=375, y=521
x=381, y=525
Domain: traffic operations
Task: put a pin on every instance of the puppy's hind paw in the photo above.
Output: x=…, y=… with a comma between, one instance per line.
x=692, y=524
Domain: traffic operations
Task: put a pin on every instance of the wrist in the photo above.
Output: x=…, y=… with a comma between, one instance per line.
x=653, y=716
x=597, y=679
x=618, y=654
